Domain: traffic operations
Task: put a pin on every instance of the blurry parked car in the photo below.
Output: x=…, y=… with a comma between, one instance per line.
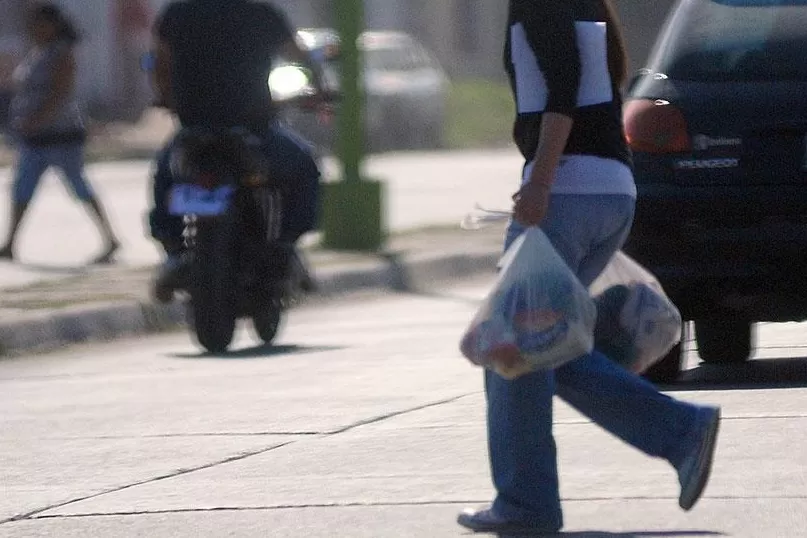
x=405, y=90
x=718, y=125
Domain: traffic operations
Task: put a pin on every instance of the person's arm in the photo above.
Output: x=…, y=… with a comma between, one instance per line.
x=532, y=200
x=291, y=49
x=551, y=33
x=284, y=38
x=162, y=73
x=164, y=28
x=62, y=81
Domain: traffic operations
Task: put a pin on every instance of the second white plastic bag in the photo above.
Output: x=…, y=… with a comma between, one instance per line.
x=637, y=324
x=538, y=315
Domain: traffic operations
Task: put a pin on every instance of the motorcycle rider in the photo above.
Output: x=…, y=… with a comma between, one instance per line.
x=212, y=63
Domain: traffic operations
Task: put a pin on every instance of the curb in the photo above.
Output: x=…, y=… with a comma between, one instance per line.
x=105, y=323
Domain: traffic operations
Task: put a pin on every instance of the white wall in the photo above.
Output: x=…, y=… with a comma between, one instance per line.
x=94, y=53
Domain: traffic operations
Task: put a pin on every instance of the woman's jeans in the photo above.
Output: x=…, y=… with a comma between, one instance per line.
x=586, y=230
x=35, y=160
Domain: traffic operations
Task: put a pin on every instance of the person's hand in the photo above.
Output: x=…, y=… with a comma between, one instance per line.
x=161, y=103
x=531, y=203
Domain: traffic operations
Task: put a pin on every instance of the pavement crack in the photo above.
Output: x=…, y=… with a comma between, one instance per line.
x=255, y=509
x=392, y=504
x=187, y=435
x=395, y=414
x=32, y=514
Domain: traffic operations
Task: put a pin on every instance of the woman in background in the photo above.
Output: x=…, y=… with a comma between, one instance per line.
x=47, y=124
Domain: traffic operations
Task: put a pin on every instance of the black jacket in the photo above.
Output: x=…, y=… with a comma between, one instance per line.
x=222, y=53
x=557, y=61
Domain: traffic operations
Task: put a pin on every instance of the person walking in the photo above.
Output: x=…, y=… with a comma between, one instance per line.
x=10, y=52
x=566, y=61
x=46, y=122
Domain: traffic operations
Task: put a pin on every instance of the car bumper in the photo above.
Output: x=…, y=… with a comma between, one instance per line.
x=726, y=248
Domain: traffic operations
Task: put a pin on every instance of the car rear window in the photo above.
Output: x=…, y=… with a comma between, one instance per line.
x=735, y=40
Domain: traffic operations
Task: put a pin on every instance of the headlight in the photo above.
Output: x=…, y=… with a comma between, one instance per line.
x=289, y=81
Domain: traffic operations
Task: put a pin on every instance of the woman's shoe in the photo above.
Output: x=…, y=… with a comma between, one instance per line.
x=107, y=256
x=487, y=521
x=7, y=253
x=696, y=468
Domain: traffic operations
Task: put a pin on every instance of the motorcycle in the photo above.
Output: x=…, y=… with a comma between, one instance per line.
x=236, y=267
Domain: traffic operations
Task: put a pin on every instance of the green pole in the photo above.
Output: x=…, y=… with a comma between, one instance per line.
x=350, y=21
x=353, y=209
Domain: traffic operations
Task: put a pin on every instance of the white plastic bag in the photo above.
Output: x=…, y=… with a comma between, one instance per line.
x=637, y=324
x=538, y=315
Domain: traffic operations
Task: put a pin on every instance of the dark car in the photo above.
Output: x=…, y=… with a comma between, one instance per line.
x=405, y=90
x=717, y=122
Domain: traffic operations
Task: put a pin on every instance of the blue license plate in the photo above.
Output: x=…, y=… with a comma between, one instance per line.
x=189, y=199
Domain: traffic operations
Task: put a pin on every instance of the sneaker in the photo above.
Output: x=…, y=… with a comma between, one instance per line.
x=107, y=255
x=693, y=474
x=486, y=520
x=7, y=253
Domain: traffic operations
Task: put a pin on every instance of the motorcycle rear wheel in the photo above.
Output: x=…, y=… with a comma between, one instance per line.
x=214, y=283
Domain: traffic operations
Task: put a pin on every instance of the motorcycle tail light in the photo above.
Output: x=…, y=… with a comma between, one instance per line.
x=655, y=126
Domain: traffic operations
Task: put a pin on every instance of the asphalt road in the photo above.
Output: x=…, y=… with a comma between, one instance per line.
x=364, y=422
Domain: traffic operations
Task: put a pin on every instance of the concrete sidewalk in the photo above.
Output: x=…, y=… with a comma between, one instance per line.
x=50, y=298
x=420, y=190
x=105, y=303
x=363, y=422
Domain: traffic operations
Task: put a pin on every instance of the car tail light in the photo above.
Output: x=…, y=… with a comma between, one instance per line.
x=655, y=126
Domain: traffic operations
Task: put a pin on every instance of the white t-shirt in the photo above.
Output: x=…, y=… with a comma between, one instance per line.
x=587, y=174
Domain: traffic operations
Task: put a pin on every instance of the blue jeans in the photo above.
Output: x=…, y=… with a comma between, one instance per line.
x=35, y=160
x=586, y=230
x=292, y=165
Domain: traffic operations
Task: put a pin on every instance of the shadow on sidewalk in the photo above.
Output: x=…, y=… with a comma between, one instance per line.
x=258, y=352
x=629, y=534
x=754, y=375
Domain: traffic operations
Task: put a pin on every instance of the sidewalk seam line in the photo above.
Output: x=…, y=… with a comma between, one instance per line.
x=391, y=504
x=181, y=472
x=395, y=414
x=240, y=457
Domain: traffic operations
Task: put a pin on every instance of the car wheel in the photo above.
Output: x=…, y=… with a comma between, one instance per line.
x=668, y=369
x=724, y=341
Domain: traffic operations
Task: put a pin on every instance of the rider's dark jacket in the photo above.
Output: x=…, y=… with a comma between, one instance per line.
x=222, y=54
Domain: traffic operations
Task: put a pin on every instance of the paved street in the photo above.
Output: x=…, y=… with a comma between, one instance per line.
x=422, y=190
x=365, y=422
